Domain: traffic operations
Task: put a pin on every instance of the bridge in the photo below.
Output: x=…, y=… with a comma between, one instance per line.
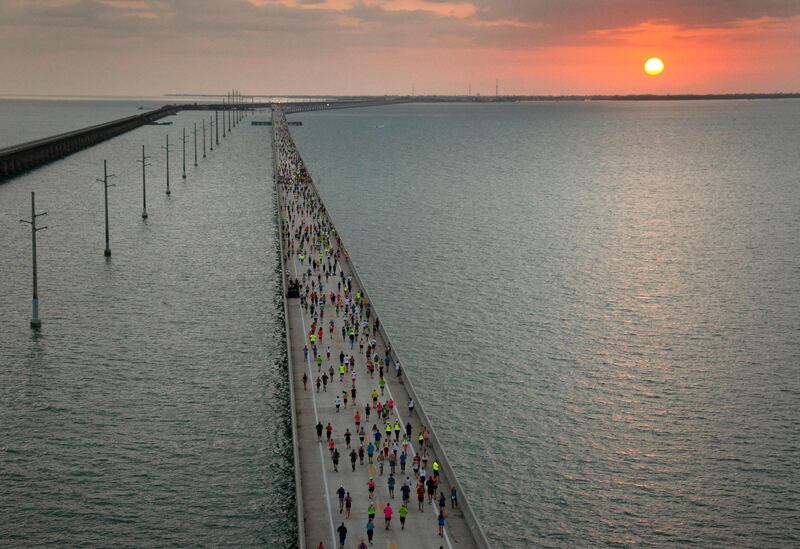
x=290, y=108
x=20, y=158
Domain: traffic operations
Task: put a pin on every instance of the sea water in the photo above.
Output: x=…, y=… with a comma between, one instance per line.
x=151, y=407
x=599, y=303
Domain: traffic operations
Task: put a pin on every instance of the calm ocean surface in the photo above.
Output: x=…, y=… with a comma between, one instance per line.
x=600, y=303
x=151, y=410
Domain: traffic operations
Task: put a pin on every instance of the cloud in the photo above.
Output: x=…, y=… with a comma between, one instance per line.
x=352, y=35
x=575, y=16
x=376, y=23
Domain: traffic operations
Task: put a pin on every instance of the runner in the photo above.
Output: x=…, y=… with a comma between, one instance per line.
x=387, y=514
x=370, y=528
x=405, y=491
x=370, y=451
x=380, y=459
x=403, y=512
x=348, y=504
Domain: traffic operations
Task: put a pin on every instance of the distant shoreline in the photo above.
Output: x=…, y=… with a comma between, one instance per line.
x=519, y=98
x=431, y=98
x=637, y=97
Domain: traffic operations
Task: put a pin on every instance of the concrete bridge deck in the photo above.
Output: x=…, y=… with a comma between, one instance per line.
x=317, y=499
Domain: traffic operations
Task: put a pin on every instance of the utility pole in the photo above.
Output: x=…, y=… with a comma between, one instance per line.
x=35, y=322
x=166, y=151
x=204, y=137
x=211, y=132
x=216, y=125
x=224, y=117
x=229, y=115
x=469, y=91
x=104, y=181
x=496, y=88
x=144, y=183
x=183, y=140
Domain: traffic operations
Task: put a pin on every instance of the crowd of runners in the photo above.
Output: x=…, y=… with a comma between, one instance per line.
x=343, y=346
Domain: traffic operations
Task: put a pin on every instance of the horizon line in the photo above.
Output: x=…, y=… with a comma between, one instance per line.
x=776, y=94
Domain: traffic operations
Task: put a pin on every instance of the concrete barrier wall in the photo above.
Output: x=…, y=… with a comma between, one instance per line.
x=301, y=531
x=469, y=515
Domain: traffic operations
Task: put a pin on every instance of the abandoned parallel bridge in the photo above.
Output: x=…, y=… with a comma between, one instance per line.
x=20, y=158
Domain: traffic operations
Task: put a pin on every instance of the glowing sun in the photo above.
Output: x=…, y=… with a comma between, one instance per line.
x=653, y=66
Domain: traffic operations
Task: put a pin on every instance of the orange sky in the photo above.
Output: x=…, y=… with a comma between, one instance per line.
x=150, y=47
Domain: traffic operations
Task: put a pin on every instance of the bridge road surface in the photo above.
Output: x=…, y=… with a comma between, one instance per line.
x=318, y=480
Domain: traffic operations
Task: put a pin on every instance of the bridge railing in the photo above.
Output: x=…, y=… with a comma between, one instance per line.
x=301, y=532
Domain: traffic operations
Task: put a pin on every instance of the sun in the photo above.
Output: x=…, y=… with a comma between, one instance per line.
x=653, y=66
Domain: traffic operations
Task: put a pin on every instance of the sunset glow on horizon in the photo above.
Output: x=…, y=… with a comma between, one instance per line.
x=535, y=47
